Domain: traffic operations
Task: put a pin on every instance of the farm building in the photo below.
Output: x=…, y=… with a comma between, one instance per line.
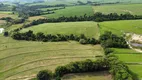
x=1, y=30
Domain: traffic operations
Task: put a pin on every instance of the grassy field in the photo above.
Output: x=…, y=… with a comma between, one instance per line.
x=128, y=55
x=119, y=27
x=90, y=29
x=35, y=18
x=104, y=75
x=51, y=3
x=132, y=58
x=136, y=69
x=135, y=9
x=71, y=11
x=7, y=14
x=72, y=2
x=2, y=22
x=23, y=59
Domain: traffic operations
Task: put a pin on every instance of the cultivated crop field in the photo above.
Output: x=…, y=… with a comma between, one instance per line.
x=72, y=11
x=135, y=9
x=23, y=59
x=120, y=27
x=90, y=29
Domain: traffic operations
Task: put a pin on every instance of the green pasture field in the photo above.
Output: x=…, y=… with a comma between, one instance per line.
x=132, y=58
x=23, y=59
x=89, y=28
x=137, y=69
x=121, y=27
x=128, y=55
x=135, y=9
x=104, y=75
x=7, y=14
x=71, y=11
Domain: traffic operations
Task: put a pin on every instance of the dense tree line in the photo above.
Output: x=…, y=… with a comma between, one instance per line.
x=54, y=9
x=33, y=7
x=117, y=69
x=30, y=36
x=44, y=75
x=6, y=18
x=81, y=67
x=13, y=21
x=26, y=11
x=98, y=17
x=109, y=40
x=94, y=3
x=5, y=7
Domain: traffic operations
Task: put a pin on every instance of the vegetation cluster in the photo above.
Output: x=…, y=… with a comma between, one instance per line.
x=109, y=40
x=98, y=17
x=27, y=11
x=30, y=36
x=117, y=69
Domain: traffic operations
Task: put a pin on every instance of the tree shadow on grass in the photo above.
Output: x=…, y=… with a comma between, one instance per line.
x=134, y=76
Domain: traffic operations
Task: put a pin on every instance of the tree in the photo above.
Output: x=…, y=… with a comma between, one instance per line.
x=14, y=8
x=44, y=75
x=40, y=36
x=108, y=50
x=6, y=33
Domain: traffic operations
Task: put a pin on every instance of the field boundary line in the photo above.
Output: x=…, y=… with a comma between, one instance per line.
x=134, y=63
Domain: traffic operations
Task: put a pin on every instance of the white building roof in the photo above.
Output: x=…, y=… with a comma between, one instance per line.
x=1, y=30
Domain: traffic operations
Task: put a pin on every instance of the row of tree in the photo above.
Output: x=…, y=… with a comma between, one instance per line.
x=98, y=17
x=95, y=3
x=13, y=21
x=118, y=69
x=26, y=11
x=30, y=36
x=109, y=40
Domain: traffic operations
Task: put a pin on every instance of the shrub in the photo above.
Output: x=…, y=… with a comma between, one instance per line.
x=107, y=51
x=109, y=40
x=82, y=41
x=6, y=33
x=44, y=75
x=60, y=71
